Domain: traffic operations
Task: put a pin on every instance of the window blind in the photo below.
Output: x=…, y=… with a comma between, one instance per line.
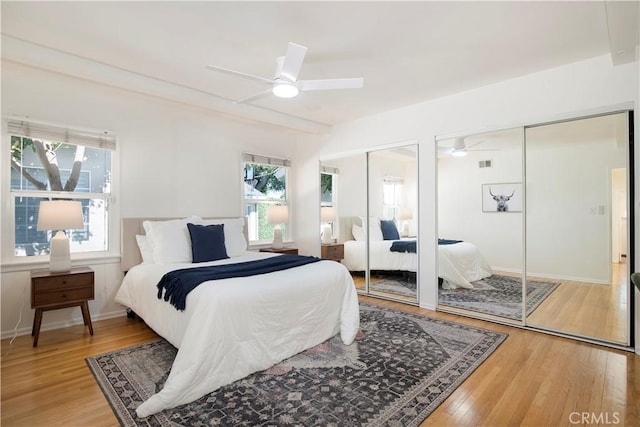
x=265, y=160
x=31, y=129
x=329, y=169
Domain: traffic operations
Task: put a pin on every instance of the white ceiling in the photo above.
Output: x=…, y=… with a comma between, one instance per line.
x=407, y=52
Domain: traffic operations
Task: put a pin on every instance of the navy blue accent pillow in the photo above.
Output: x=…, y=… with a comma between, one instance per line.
x=389, y=230
x=207, y=242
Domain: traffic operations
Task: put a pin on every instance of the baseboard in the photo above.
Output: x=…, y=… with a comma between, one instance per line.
x=64, y=324
x=552, y=276
x=570, y=278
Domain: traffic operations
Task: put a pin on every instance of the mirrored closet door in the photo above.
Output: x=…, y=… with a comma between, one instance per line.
x=393, y=237
x=369, y=211
x=480, y=225
x=343, y=202
x=577, y=226
x=548, y=244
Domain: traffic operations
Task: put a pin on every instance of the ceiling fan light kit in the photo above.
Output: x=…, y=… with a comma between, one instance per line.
x=285, y=83
x=285, y=90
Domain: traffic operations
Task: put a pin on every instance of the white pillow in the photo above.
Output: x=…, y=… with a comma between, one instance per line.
x=170, y=239
x=234, y=240
x=375, y=232
x=358, y=233
x=145, y=248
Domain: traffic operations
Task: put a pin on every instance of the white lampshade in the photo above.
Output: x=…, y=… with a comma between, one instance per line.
x=60, y=215
x=327, y=214
x=405, y=214
x=277, y=215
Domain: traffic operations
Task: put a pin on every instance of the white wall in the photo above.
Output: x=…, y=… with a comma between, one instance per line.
x=552, y=94
x=174, y=160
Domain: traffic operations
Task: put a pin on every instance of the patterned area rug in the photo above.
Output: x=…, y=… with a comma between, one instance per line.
x=393, y=285
x=399, y=369
x=498, y=295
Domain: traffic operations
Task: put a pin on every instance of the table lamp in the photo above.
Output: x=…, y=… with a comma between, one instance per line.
x=277, y=215
x=60, y=215
x=327, y=217
x=405, y=216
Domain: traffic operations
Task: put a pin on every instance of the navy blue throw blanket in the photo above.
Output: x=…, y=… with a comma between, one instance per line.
x=448, y=241
x=403, y=246
x=178, y=283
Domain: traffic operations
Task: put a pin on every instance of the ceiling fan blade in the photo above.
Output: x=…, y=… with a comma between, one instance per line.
x=238, y=73
x=476, y=143
x=327, y=84
x=293, y=61
x=254, y=97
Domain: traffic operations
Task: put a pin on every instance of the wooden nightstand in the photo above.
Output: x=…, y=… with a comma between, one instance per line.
x=290, y=251
x=333, y=251
x=51, y=291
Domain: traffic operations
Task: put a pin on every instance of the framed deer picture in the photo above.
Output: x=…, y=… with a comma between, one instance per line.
x=502, y=198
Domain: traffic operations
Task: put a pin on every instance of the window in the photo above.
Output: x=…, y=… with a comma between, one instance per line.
x=392, y=192
x=265, y=184
x=328, y=200
x=49, y=163
x=328, y=186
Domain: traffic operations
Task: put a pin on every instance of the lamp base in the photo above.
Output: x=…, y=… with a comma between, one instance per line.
x=59, y=256
x=405, y=229
x=277, y=237
x=326, y=234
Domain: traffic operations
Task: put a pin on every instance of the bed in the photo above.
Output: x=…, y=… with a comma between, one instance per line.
x=459, y=263
x=232, y=327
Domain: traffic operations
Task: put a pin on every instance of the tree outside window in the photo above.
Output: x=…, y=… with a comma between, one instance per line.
x=47, y=170
x=264, y=185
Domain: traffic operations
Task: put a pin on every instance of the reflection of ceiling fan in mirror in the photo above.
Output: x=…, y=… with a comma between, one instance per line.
x=461, y=148
x=285, y=83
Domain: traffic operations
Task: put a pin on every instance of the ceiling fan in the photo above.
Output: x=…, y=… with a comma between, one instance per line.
x=285, y=83
x=460, y=148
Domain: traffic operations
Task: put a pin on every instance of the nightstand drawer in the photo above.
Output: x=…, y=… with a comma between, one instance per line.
x=62, y=296
x=333, y=251
x=285, y=250
x=53, y=283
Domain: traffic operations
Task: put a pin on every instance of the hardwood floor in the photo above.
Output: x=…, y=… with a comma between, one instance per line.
x=531, y=379
x=587, y=309
x=590, y=310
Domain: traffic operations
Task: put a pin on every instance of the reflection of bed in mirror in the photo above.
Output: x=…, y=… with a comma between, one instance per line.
x=461, y=263
x=381, y=257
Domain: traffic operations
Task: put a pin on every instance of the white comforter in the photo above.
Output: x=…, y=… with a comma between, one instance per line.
x=381, y=258
x=460, y=264
x=234, y=327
